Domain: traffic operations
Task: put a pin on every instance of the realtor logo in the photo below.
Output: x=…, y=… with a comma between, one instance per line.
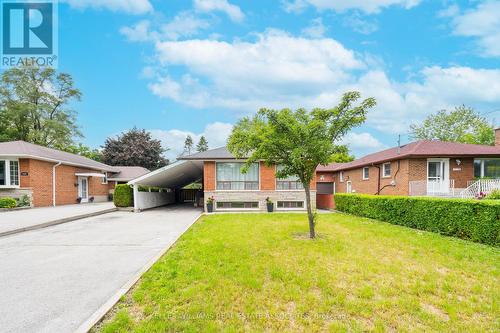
x=29, y=33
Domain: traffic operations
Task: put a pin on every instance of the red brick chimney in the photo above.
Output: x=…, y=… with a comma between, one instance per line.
x=497, y=137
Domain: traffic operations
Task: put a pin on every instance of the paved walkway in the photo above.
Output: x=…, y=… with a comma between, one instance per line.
x=26, y=218
x=54, y=279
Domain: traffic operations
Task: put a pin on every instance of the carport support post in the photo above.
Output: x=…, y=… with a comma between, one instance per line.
x=136, y=198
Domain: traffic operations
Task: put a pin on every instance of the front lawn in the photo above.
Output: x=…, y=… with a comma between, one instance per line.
x=258, y=272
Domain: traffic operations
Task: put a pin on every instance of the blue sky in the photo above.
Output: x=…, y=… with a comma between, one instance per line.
x=194, y=67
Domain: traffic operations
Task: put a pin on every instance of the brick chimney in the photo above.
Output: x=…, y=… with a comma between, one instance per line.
x=497, y=137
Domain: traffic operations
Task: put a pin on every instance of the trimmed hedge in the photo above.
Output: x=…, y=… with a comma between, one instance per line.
x=123, y=196
x=474, y=220
x=8, y=203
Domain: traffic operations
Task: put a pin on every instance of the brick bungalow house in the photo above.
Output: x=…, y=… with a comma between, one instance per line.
x=233, y=190
x=51, y=177
x=421, y=168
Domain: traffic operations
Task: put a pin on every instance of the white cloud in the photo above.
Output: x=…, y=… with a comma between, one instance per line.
x=140, y=32
x=366, y=6
x=234, y=12
x=215, y=133
x=482, y=23
x=185, y=24
x=449, y=11
x=127, y=6
x=362, y=143
x=279, y=70
x=316, y=30
x=358, y=24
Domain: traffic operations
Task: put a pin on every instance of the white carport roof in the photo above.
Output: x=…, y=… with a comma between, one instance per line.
x=175, y=175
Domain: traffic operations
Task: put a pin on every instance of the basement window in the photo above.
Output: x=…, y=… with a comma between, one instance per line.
x=290, y=204
x=237, y=205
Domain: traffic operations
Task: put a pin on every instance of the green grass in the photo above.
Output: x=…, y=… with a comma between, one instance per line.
x=257, y=272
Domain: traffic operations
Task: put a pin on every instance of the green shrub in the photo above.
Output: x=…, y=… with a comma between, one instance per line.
x=123, y=196
x=24, y=201
x=8, y=203
x=474, y=220
x=494, y=195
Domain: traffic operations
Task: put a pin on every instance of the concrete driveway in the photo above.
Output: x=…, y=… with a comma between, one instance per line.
x=26, y=218
x=55, y=279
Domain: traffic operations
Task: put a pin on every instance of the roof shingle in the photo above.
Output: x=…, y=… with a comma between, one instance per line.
x=422, y=148
x=29, y=150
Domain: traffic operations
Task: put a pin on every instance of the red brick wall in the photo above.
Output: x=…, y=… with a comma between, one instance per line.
x=209, y=176
x=39, y=179
x=409, y=170
x=267, y=177
x=370, y=186
x=325, y=177
x=462, y=173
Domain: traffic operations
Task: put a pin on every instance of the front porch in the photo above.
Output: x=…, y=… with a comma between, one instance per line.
x=446, y=189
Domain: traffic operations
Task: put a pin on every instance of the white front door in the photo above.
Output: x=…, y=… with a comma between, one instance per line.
x=438, y=175
x=83, y=188
x=349, y=187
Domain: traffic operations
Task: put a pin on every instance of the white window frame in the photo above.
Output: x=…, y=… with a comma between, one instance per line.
x=384, y=169
x=341, y=176
x=364, y=177
x=105, y=179
x=237, y=161
x=6, y=161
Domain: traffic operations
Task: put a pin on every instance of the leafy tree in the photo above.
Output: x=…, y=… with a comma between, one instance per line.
x=34, y=107
x=188, y=145
x=297, y=140
x=80, y=149
x=463, y=124
x=134, y=148
x=342, y=155
x=202, y=145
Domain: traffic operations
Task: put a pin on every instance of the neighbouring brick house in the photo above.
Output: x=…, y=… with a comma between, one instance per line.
x=234, y=190
x=52, y=177
x=431, y=168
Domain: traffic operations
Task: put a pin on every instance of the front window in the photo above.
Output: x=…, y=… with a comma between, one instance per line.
x=105, y=178
x=14, y=173
x=9, y=173
x=231, y=178
x=366, y=173
x=341, y=176
x=487, y=168
x=3, y=174
x=288, y=183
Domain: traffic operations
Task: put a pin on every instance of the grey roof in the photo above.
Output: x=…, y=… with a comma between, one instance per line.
x=213, y=154
x=127, y=173
x=29, y=150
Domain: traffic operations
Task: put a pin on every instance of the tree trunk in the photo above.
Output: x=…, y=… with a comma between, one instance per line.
x=310, y=215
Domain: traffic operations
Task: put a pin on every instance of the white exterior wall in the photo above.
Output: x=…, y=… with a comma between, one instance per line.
x=146, y=200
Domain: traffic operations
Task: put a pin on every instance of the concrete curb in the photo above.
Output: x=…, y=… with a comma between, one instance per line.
x=56, y=222
x=110, y=303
